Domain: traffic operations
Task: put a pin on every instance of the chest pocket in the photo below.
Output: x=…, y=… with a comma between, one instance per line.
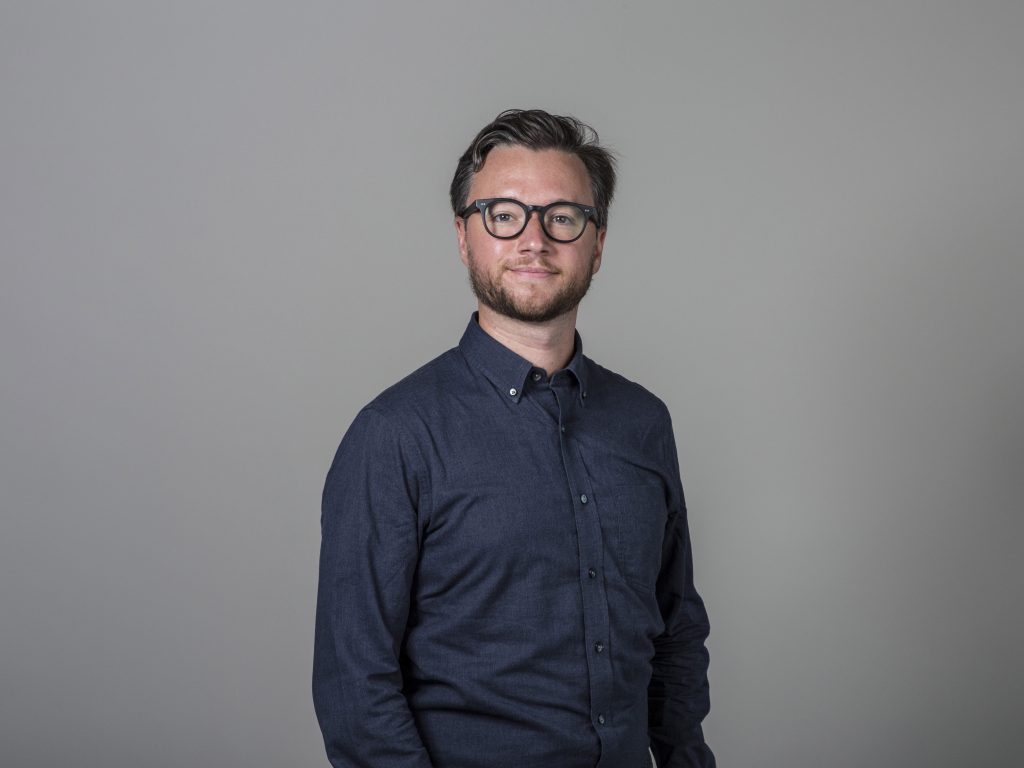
x=634, y=515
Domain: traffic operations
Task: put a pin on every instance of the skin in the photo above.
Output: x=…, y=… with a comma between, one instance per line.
x=531, y=273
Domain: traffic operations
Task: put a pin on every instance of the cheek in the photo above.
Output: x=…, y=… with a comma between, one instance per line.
x=487, y=254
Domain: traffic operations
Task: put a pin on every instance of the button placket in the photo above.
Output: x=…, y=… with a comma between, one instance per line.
x=596, y=619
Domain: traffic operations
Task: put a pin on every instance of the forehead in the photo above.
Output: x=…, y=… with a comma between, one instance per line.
x=533, y=176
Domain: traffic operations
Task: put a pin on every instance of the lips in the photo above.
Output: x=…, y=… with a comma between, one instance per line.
x=532, y=270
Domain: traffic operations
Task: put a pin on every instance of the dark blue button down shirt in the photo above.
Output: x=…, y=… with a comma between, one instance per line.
x=505, y=574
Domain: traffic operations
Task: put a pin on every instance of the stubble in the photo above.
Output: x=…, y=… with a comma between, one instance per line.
x=492, y=294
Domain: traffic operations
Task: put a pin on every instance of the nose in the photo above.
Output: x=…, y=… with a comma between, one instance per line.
x=533, y=237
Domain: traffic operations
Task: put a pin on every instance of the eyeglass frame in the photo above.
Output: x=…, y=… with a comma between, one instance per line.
x=481, y=206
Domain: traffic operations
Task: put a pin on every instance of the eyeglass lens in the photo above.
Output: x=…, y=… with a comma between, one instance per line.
x=505, y=218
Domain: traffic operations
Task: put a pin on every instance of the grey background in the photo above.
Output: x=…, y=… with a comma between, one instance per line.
x=225, y=228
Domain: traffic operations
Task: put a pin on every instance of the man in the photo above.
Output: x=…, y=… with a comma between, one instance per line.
x=505, y=572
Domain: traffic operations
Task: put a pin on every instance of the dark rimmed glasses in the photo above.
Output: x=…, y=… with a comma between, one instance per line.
x=505, y=218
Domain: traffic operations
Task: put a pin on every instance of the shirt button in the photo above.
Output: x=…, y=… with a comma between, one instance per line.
x=600, y=719
x=536, y=376
x=512, y=391
x=583, y=498
x=599, y=646
x=592, y=573
x=562, y=428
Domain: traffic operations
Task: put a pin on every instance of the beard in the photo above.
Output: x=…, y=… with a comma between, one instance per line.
x=492, y=294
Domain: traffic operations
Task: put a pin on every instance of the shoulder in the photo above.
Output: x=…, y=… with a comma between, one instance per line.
x=627, y=394
x=420, y=390
x=385, y=427
x=630, y=412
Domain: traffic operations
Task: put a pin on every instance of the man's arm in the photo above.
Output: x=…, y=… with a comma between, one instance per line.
x=677, y=697
x=369, y=550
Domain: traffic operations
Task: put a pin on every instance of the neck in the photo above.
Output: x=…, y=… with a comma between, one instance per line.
x=548, y=345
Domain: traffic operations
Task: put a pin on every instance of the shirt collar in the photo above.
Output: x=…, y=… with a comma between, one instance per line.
x=508, y=371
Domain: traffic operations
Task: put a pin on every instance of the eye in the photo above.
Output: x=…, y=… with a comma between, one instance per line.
x=564, y=217
x=504, y=214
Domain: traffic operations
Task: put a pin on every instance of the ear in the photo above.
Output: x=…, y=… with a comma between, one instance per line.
x=598, y=250
x=460, y=232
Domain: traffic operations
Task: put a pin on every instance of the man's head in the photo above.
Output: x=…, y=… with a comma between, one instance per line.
x=537, y=129
x=529, y=259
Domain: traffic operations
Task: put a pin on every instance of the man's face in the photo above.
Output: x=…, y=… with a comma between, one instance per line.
x=531, y=277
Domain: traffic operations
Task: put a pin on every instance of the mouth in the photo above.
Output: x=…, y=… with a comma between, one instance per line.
x=532, y=272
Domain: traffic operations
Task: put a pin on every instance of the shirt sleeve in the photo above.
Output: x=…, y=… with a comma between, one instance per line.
x=677, y=696
x=370, y=531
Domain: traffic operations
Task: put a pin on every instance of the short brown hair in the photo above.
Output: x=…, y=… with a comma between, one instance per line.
x=537, y=129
